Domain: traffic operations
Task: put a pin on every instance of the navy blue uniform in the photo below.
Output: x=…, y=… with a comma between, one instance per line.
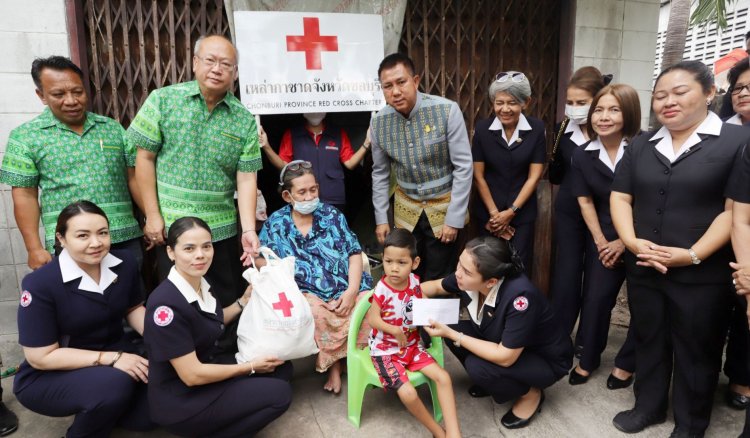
x=53, y=311
x=739, y=191
x=240, y=406
x=519, y=317
x=566, y=287
x=506, y=169
x=326, y=161
x=592, y=178
x=681, y=314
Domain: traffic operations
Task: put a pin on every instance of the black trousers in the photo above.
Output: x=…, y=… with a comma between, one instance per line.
x=599, y=298
x=101, y=398
x=225, y=278
x=686, y=322
x=523, y=241
x=247, y=405
x=736, y=363
x=506, y=383
x=566, y=289
x=437, y=259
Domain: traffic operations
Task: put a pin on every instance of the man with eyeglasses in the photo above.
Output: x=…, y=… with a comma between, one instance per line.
x=423, y=139
x=197, y=144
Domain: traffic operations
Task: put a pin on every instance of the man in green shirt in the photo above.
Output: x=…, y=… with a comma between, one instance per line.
x=69, y=154
x=197, y=144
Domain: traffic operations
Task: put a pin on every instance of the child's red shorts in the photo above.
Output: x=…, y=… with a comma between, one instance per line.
x=392, y=368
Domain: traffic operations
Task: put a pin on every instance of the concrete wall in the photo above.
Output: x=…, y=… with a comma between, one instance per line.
x=619, y=37
x=28, y=30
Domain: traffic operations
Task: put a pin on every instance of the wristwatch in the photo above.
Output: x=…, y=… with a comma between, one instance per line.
x=694, y=257
x=514, y=209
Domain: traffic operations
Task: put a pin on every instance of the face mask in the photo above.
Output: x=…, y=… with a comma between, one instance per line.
x=577, y=114
x=314, y=119
x=306, y=207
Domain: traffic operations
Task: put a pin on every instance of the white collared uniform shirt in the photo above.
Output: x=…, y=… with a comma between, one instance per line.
x=604, y=156
x=71, y=271
x=206, y=300
x=523, y=125
x=711, y=125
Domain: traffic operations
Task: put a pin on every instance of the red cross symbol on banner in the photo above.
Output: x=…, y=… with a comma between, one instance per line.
x=312, y=43
x=284, y=305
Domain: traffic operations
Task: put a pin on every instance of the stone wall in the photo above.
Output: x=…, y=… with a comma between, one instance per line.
x=619, y=37
x=28, y=30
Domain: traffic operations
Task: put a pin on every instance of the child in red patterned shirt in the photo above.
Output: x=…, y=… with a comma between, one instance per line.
x=395, y=345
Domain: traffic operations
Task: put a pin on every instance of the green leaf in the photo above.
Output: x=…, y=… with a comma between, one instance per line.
x=711, y=11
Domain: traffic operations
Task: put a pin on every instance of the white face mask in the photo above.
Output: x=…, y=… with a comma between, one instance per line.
x=305, y=207
x=577, y=114
x=314, y=119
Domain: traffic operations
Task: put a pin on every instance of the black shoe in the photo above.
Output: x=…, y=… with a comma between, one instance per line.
x=735, y=400
x=678, y=432
x=8, y=421
x=615, y=383
x=633, y=421
x=510, y=421
x=477, y=391
x=578, y=352
x=577, y=379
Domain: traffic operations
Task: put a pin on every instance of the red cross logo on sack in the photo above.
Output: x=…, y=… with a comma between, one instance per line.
x=312, y=43
x=163, y=315
x=521, y=304
x=25, y=298
x=284, y=305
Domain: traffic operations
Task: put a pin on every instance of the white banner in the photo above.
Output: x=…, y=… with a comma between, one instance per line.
x=301, y=62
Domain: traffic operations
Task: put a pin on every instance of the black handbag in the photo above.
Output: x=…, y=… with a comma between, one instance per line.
x=556, y=165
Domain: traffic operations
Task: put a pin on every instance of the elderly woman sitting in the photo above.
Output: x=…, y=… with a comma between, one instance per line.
x=328, y=268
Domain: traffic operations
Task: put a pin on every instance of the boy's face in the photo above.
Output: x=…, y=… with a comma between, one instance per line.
x=398, y=264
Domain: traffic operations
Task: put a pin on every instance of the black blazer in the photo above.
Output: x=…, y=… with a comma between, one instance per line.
x=590, y=177
x=507, y=167
x=675, y=203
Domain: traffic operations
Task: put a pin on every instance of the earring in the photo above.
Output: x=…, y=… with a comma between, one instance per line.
x=708, y=102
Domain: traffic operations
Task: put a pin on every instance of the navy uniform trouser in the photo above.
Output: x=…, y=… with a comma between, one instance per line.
x=567, y=282
x=505, y=383
x=101, y=398
x=599, y=298
x=735, y=365
x=685, y=322
x=247, y=405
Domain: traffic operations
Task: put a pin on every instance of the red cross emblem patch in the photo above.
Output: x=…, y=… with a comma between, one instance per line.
x=163, y=315
x=521, y=304
x=25, y=298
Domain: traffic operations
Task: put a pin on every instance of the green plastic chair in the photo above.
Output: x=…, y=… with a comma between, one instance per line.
x=361, y=372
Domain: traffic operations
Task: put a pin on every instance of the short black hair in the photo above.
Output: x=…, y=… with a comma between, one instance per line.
x=700, y=71
x=395, y=59
x=183, y=224
x=494, y=258
x=59, y=63
x=401, y=238
x=734, y=73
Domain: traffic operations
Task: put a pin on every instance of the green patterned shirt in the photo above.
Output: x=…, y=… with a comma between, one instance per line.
x=67, y=167
x=198, y=153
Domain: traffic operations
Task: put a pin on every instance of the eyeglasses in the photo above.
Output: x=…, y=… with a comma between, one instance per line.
x=738, y=89
x=505, y=76
x=294, y=166
x=211, y=63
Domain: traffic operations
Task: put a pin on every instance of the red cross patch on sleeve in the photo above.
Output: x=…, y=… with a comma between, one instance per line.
x=25, y=298
x=521, y=303
x=163, y=315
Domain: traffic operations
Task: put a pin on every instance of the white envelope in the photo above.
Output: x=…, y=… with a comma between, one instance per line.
x=440, y=310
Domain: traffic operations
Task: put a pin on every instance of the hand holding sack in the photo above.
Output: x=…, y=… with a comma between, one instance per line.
x=277, y=320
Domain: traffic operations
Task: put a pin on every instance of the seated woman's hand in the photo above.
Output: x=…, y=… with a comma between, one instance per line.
x=741, y=278
x=345, y=303
x=266, y=364
x=135, y=366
